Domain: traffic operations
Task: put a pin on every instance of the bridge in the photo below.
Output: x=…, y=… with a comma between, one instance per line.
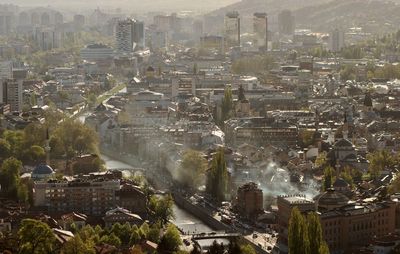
x=214, y=235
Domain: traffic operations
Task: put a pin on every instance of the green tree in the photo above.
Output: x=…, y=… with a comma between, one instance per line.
x=170, y=241
x=217, y=177
x=192, y=168
x=35, y=237
x=216, y=248
x=324, y=249
x=10, y=177
x=329, y=177
x=5, y=148
x=380, y=161
x=162, y=208
x=315, y=236
x=227, y=104
x=77, y=246
x=154, y=233
x=298, y=234
x=247, y=249
x=76, y=138
x=321, y=160
x=111, y=239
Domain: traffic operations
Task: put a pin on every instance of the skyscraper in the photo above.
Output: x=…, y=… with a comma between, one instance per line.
x=286, y=22
x=129, y=35
x=260, y=27
x=232, y=29
x=336, y=40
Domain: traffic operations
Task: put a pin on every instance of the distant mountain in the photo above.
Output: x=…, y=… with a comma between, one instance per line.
x=377, y=16
x=272, y=7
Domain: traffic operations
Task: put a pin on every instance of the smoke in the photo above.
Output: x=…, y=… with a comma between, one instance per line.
x=275, y=181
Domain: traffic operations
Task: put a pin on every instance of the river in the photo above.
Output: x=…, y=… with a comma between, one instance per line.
x=183, y=220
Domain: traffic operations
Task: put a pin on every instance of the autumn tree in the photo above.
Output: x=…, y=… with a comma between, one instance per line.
x=329, y=177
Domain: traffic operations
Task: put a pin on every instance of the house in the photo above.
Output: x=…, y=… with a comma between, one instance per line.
x=121, y=215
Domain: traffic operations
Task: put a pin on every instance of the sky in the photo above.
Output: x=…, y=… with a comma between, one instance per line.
x=139, y=5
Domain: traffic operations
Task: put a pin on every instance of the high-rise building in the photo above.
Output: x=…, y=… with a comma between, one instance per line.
x=260, y=27
x=336, y=40
x=45, y=19
x=129, y=35
x=23, y=19
x=6, y=23
x=12, y=93
x=198, y=29
x=139, y=36
x=79, y=20
x=286, y=22
x=232, y=29
x=58, y=18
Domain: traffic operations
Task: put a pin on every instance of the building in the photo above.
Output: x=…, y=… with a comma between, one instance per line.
x=286, y=22
x=336, y=40
x=250, y=200
x=129, y=35
x=260, y=28
x=132, y=198
x=88, y=196
x=285, y=206
x=6, y=23
x=42, y=172
x=346, y=225
x=97, y=52
x=121, y=216
x=260, y=131
x=232, y=29
x=12, y=93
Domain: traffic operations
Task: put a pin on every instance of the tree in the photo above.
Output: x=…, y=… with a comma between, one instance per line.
x=217, y=177
x=321, y=160
x=154, y=233
x=111, y=239
x=247, y=249
x=10, y=177
x=75, y=138
x=5, y=148
x=77, y=246
x=216, y=248
x=297, y=236
x=227, y=104
x=324, y=249
x=162, y=208
x=193, y=166
x=36, y=154
x=315, y=236
x=329, y=177
x=35, y=237
x=380, y=161
x=171, y=240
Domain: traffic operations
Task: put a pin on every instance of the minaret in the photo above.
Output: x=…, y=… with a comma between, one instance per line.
x=47, y=147
x=345, y=130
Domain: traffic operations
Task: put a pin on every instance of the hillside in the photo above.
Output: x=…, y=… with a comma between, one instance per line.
x=373, y=15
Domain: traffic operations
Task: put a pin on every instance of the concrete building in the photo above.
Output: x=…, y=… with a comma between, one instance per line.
x=129, y=35
x=336, y=40
x=260, y=29
x=250, y=200
x=12, y=93
x=286, y=22
x=92, y=197
x=260, y=131
x=6, y=23
x=121, y=215
x=232, y=29
x=95, y=52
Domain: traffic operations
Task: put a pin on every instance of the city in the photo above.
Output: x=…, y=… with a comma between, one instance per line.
x=239, y=127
